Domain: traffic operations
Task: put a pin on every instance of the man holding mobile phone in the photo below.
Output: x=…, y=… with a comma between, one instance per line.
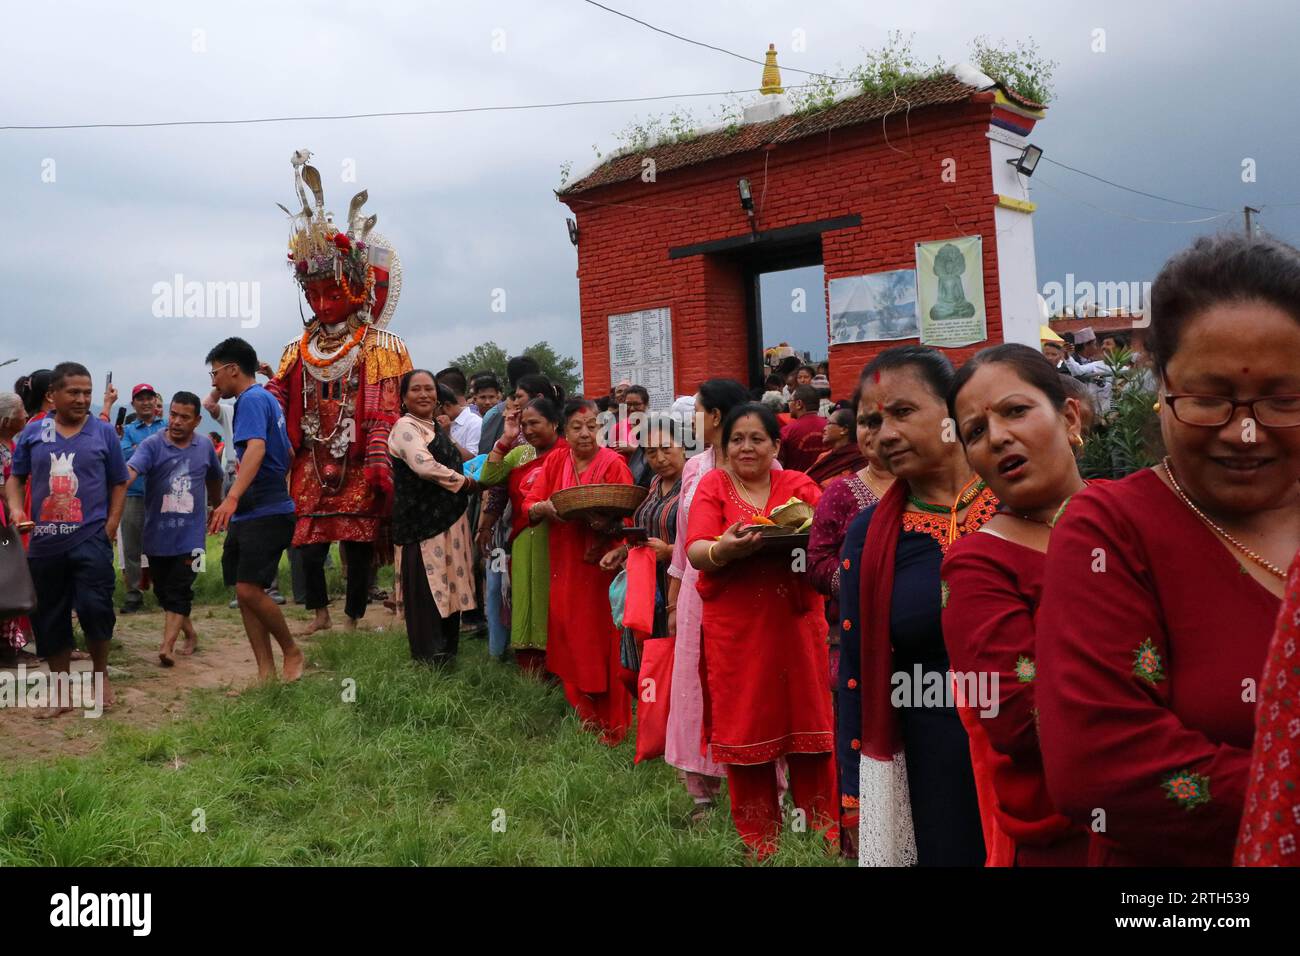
x=143, y=400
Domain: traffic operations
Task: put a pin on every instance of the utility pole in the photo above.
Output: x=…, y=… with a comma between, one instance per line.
x=1250, y=225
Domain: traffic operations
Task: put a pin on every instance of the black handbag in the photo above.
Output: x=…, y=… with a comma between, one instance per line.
x=17, y=592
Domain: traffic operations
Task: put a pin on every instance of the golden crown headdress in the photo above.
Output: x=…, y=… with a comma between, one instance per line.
x=319, y=249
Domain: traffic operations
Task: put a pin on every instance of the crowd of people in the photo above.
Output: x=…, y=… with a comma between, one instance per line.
x=976, y=656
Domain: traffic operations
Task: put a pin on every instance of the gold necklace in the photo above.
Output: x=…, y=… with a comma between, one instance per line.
x=739, y=485
x=1258, y=559
x=878, y=484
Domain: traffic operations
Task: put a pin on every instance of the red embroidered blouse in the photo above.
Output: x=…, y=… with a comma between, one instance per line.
x=1150, y=636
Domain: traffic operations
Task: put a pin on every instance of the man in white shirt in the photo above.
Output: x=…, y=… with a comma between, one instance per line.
x=466, y=426
x=1092, y=370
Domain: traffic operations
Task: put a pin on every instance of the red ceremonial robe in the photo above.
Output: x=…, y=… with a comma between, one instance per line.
x=582, y=643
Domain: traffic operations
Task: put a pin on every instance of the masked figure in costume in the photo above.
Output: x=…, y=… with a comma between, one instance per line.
x=338, y=385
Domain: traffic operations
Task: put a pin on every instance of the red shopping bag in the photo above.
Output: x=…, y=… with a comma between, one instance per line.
x=639, y=602
x=654, y=693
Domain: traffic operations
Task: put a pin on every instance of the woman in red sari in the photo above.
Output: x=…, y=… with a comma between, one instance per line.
x=1146, y=689
x=1270, y=827
x=763, y=639
x=582, y=643
x=1019, y=428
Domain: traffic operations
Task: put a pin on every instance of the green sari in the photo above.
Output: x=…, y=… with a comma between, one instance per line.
x=530, y=556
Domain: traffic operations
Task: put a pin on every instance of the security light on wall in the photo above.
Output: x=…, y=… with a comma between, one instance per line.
x=573, y=231
x=746, y=196
x=1027, y=161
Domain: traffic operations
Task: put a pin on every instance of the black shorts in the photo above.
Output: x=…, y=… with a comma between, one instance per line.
x=253, y=549
x=79, y=579
x=173, y=581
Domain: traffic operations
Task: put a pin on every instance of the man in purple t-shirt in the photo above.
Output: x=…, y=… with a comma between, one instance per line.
x=181, y=475
x=78, y=481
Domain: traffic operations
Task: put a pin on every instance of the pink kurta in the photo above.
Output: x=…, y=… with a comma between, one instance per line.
x=686, y=714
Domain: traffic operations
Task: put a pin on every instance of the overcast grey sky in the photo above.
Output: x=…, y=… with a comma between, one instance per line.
x=1182, y=94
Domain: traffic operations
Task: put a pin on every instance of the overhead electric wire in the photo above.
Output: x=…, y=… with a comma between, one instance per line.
x=346, y=116
x=1169, y=222
x=615, y=101
x=1130, y=189
x=710, y=46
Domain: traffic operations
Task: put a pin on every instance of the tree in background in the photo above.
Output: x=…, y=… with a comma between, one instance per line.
x=490, y=357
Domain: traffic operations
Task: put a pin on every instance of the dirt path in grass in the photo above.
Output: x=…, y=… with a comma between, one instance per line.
x=149, y=695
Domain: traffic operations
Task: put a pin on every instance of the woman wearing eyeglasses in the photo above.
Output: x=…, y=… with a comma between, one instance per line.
x=1147, y=695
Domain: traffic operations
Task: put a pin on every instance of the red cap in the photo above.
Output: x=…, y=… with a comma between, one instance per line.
x=142, y=387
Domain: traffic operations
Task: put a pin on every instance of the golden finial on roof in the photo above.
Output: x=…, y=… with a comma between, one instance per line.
x=771, y=74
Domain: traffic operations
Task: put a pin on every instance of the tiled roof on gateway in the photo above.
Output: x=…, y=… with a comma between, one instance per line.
x=933, y=91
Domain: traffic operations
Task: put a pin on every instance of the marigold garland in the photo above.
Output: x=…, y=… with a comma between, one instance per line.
x=310, y=359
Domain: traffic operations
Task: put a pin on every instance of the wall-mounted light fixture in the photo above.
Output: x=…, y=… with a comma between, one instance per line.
x=747, y=202
x=1027, y=160
x=573, y=231
x=746, y=196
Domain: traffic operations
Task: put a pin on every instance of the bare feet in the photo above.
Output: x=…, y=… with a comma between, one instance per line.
x=188, y=646
x=294, y=662
x=165, y=659
x=351, y=624
x=321, y=622
x=79, y=656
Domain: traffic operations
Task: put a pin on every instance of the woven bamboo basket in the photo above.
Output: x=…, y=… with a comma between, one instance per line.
x=620, y=500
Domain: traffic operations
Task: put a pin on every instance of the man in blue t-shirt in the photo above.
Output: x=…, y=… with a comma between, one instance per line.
x=181, y=474
x=146, y=423
x=74, y=465
x=257, y=509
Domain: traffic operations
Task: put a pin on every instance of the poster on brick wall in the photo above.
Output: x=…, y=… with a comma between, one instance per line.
x=873, y=308
x=950, y=292
x=641, y=351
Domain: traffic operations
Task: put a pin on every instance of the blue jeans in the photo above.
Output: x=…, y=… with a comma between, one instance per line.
x=498, y=633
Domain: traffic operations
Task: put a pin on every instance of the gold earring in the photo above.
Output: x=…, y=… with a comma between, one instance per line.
x=1076, y=440
x=1156, y=407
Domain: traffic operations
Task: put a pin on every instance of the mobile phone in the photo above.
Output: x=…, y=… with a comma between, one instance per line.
x=109, y=380
x=635, y=535
x=121, y=416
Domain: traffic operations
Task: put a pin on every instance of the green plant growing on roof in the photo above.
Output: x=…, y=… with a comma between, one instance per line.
x=1024, y=69
x=890, y=68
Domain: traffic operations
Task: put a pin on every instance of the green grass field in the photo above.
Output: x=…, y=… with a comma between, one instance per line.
x=416, y=770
